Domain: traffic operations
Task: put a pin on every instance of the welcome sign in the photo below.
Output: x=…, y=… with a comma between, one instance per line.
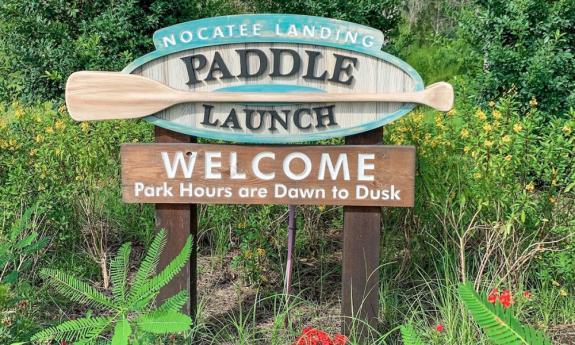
x=278, y=54
x=237, y=174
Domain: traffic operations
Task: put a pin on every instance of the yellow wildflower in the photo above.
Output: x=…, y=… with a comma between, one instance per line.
x=517, y=127
x=533, y=102
x=563, y=292
x=452, y=112
x=49, y=130
x=567, y=129
x=464, y=133
x=480, y=114
x=508, y=158
x=487, y=127
x=321, y=208
x=466, y=149
x=38, y=119
x=58, y=151
x=530, y=187
x=248, y=254
x=85, y=126
x=477, y=175
x=506, y=138
x=496, y=114
x=60, y=124
x=552, y=200
x=260, y=252
x=488, y=143
x=491, y=104
x=39, y=138
x=33, y=152
x=556, y=283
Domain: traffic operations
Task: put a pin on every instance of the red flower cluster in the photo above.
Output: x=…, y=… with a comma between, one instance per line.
x=312, y=336
x=439, y=328
x=504, y=298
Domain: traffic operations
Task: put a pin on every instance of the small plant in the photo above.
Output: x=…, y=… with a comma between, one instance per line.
x=496, y=320
x=410, y=336
x=18, y=245
x=129, y=314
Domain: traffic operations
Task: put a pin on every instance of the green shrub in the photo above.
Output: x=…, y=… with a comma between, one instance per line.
x=42, y=42
x=526, y=45
x=47, y=160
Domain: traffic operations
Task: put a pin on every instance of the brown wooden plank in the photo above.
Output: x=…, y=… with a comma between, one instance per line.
x=179, y=221
x=360, y=274
x=148, y=174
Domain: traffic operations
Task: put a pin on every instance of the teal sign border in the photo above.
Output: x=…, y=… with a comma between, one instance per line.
x=272, y=28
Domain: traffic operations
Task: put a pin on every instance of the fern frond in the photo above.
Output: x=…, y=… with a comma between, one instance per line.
x=74, y=329
x=122, y=332
x=161, y=323
x=153, y=285
x=119, y=271
x=499, y=325
x=76, y=290
x=150, y=262
x=409, y=335
x=174, y=303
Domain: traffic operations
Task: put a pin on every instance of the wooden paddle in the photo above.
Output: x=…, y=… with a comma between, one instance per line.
x=113, y=95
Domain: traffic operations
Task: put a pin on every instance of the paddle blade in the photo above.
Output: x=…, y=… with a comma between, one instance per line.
x=113, y=95
x=439, y=96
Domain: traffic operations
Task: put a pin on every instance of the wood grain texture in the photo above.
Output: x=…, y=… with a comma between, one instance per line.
x=93, y=96
x=393, y=169
x=372, y=75
x=179, y=221
x=360, y=268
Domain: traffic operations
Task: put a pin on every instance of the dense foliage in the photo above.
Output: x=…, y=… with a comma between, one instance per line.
x=42, y=42
x=526, y=45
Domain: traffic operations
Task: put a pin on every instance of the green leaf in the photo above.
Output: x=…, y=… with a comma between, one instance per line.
x=499, y=325
x=409, y=335
x=122, y=332
x=150, y=262
x=75, y=289
x=153, y=285
x=119, y=271
x=74, y=329
x=11, y=277
x=25, y=242
x=161, y=323
x=20, y=224
x=174, y=303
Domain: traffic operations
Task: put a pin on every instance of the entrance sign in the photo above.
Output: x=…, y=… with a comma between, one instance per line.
x=267, y=79
x=275, y=54
x=238, y=174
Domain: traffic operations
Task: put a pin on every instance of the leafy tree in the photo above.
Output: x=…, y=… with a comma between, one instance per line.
x=380, y=14
x=42, y=42
x=526, y=45
x=128, y=311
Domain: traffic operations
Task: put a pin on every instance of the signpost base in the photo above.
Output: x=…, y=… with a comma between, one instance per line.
x=179, y=221
x=360, y=272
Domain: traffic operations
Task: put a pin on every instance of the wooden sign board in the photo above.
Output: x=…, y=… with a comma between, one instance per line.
x=275, y=54
x=241, y=174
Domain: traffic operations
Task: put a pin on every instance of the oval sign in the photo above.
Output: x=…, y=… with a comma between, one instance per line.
x=275, y=53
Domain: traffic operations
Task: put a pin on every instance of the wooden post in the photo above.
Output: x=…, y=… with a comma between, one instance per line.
x=360, y=274
x=179, y=221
